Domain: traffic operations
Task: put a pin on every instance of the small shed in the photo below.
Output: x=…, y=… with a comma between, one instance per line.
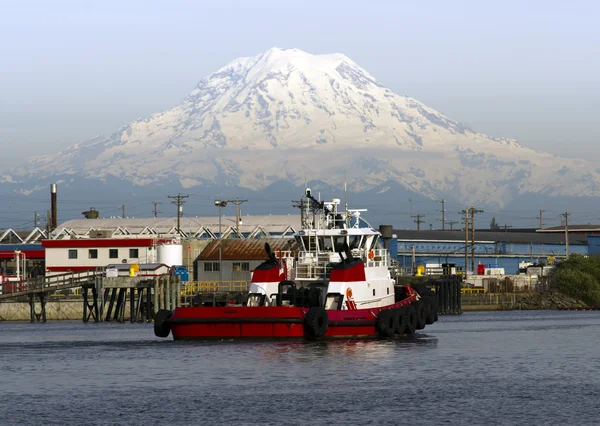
x=238, y=257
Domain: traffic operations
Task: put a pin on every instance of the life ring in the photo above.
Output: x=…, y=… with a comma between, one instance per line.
x=316, y=322
x=162, y=328
x=371, y=255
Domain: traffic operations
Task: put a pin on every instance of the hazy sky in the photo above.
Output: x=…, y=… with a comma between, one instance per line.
x=70, y=70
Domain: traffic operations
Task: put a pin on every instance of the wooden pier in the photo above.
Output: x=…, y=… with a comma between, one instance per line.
x=104, y=298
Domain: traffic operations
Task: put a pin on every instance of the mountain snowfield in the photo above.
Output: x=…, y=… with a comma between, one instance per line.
x=287, y=115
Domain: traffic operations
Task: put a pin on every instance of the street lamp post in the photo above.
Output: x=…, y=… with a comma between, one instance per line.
x=220, y=204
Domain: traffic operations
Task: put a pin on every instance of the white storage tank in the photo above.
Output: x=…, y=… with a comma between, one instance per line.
x=170, y=254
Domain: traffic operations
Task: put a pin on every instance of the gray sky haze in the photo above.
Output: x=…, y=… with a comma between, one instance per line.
x=70, y=70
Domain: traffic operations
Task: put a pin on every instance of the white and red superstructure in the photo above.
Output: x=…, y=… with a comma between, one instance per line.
x=340, y=255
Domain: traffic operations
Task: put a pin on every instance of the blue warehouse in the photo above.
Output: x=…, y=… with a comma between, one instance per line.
x=506, y=249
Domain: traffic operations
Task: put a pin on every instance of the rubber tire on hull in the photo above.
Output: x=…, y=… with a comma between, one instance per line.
x=316, y=322
x=400, y=321
x=162, y=328
x=422, y=290
x=411, y=319
x=386, y=323
x=429, y=313
x=420, y=312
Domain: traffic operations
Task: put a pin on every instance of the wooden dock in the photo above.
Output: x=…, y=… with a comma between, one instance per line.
x=104, y=298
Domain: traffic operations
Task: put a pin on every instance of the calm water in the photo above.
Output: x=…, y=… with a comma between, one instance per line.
x=479, y=368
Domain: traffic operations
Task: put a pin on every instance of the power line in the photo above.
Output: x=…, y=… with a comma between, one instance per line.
x=540, y=218
x=179, y=203
x=155, y=210
x=443, y=215
x=473, y=212
x=566, y=216
x=466, y=213
x=418, y=221
x=237, y=203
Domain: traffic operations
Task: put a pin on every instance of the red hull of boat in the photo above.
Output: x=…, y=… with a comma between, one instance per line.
x=270, y=322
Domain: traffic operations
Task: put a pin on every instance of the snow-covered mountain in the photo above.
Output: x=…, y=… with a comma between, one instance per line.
x=287, y=115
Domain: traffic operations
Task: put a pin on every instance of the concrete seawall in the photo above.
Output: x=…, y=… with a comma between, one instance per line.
x=60, y=309
x=519, y=301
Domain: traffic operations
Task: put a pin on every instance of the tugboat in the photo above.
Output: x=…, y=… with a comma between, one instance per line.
x=338, y=285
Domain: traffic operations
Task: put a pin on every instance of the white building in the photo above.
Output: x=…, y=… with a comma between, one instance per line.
x=76, y=255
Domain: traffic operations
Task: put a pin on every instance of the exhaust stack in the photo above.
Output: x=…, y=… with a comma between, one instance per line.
x=53, y=224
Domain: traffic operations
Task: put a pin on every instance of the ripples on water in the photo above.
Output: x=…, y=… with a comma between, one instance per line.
x=479, y=368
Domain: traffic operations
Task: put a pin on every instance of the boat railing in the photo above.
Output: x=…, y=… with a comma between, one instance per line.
x=313, y=266
x=379, y=257
x=192, y=288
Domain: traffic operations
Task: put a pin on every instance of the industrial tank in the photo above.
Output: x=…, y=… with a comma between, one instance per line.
x=170, y=254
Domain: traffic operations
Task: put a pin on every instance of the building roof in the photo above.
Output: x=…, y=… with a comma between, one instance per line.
x=236, y=249
x=186, y=222
x=491, y=236
x=192, y=227
x=572, y=228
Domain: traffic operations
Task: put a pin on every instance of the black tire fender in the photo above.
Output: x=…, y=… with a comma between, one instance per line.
x=162, y=328
x=316, y=322
x=400, y=320
x=386, y=323
x=411, y=319
x=428, y=305
x=420, y=312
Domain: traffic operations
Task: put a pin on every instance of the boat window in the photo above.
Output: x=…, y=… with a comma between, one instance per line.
x=300, y=243
x=309, y=243
x=325, y=244
x=355, y=241
x=374, y=243
x=368, y=243
x=338, y=243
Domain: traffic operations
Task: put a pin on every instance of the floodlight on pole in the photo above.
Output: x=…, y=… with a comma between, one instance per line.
x=220, y=204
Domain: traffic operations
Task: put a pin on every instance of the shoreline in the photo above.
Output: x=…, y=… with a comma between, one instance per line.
x=72, y=308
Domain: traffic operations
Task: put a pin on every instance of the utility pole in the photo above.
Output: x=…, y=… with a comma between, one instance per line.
x=473, y=212
x=301, y=204
x=123, y=211
x=418, y=221
x=48, y=224
x=506, y=227
x=566, y=216
x=466, y=213
x=179, y=203
x=443, y=215
x=155, y=210
x=237, y=203
x=540, y=218
x=452, y=223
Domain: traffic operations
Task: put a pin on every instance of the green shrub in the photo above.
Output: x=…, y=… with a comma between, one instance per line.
x=577, y=283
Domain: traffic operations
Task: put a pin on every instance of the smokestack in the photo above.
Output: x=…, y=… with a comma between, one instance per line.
x=53, y=207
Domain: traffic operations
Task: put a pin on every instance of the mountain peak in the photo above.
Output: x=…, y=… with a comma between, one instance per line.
x=286, y=114
x=284, y=61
